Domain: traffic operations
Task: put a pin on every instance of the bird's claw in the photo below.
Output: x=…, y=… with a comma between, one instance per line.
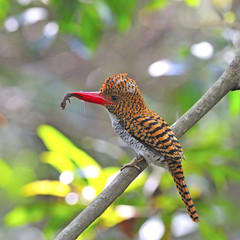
x=133, y=163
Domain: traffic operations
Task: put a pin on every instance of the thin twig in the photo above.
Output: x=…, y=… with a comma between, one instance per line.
x=229, y=80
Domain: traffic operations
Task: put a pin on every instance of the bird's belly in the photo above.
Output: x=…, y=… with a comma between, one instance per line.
x=140, y=149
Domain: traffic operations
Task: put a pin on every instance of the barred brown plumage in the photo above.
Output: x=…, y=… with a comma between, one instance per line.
x=142, y=129
x=177, y=173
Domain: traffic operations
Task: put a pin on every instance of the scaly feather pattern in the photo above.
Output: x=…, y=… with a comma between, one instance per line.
x=149, y=129
x=141, y=128
x=154, y=133
x=177, y=173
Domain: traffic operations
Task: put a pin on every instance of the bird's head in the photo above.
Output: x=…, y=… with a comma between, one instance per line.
x=119, y=94
x=124, y=94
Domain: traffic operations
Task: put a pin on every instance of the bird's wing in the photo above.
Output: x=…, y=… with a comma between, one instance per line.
x=153, y=131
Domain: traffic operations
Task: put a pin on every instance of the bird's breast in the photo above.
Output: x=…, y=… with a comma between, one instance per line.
x=140, y=149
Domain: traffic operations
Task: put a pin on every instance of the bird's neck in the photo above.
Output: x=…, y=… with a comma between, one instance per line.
x=123, y=117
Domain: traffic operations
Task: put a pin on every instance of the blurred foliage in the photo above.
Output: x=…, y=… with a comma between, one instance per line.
x=78, y=17
x=175, y=50
x=89, y=181
x=234, y=100
x=86, y=21
x=4, y=7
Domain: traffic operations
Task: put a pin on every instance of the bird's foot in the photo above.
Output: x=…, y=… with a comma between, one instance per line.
x=133, y=163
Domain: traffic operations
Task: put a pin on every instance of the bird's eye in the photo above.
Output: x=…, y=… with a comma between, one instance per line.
x=114, y=98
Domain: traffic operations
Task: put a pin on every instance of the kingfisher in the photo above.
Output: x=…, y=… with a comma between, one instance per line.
x=142, y=129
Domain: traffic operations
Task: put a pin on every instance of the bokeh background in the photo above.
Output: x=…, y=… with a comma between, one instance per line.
x=54, y=162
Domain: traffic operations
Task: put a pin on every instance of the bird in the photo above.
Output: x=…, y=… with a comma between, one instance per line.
x=142, y=129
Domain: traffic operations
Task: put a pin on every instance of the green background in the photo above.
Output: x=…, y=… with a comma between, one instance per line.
x=51, y=47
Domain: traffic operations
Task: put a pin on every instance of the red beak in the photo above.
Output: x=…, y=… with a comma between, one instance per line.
x=93, y=97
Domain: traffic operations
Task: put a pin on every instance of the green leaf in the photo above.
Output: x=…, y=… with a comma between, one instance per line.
x=167, y=202
x=123, y=12
x=56, y=215
x=230, y=17
x=22, y=175
x=218, y=176
x=80, y=20
x=46, y=187
x=234, y=103
x=231, y=173
x=110, y=217
x=21, y=215
x=58, y=161
x=6, y=175
x=57, y=142
x=4, y=7
x=209, y=232
x=183, y=52
x=192, y=3
x=156, y=5
x=100, y=181
x=166, y=181
x=138, y=182
x=90, y=26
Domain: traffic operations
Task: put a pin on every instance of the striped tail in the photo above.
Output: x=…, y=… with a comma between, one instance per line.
x=176, y=170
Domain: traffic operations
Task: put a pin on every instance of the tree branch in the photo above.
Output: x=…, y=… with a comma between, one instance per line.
x=230, y=80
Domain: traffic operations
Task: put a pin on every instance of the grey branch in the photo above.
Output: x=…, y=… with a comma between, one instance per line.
x=229, y=81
